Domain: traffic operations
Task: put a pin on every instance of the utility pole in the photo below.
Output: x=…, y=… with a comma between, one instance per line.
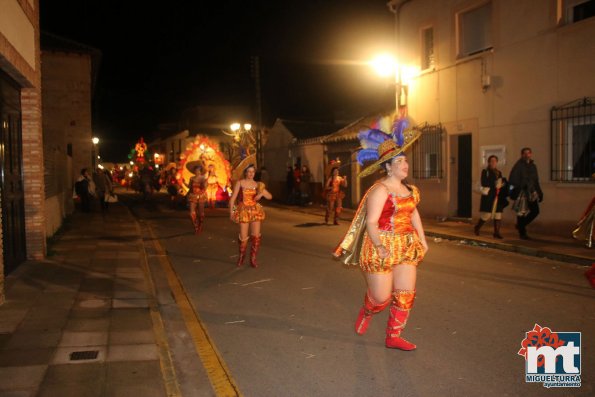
x=255, y=70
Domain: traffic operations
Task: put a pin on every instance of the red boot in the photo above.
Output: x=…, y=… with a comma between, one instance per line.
x=243, y=244
x=337, y=212
x=402, y=303
x=254, y=249
x=365, y=314
x=194, y=222
x=201, y=220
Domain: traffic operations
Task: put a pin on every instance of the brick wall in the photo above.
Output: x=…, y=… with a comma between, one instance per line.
x=1, y=258
x=28, y=75
x=33, y=173
x=66, y=98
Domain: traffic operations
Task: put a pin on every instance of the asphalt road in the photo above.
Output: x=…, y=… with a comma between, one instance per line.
x=286, y=328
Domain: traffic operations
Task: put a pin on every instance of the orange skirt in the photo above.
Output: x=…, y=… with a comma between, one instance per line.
x=248, y=213
x=404, y=249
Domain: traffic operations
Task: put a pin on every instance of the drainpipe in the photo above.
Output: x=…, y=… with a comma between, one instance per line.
x=395, y=7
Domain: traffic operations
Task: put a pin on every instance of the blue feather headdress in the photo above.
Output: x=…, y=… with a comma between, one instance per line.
x=371, y=138
x=400, y=133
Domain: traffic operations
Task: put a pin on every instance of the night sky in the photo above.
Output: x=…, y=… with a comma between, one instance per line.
x=158, y=59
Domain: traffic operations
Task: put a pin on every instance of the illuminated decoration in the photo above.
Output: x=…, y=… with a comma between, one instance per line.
x=201, y=152
x=140, y=148
x=159, y=159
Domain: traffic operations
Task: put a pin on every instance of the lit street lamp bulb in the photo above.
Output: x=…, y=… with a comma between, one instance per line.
x=95, y=140
x=235, y=126
x=247, y=126
x=131, y=162
x=384, y=65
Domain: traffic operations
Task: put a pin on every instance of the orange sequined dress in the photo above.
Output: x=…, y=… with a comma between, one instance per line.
x=335, y=190
x=247, y=209
x=197, y=192
x=397, y=234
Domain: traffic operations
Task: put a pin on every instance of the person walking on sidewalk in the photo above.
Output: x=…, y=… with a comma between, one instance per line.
x=493, y=197
x=103, y=187
x=334, y=195
x=85, y=188
x=386, y=239
x=248, y=213
x=525, y=190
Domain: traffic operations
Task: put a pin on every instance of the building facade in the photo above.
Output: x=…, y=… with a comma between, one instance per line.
x=497, y=76
x=68, y=74
x=294, y=142
x=22, y=198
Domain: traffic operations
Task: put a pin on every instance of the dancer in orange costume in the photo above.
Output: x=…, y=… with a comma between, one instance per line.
x=212, y=186
x=197, y=196
x=334, y=195
x=387, y=241
x=248, y=213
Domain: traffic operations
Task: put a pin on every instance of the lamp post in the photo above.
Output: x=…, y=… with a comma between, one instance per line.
x=243, y=137
x=95, y=154
x=386, y=65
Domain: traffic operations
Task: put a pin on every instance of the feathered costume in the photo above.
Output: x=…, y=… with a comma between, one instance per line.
x=397, y=233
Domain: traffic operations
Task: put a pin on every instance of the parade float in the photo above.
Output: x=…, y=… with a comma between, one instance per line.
x=202, y=152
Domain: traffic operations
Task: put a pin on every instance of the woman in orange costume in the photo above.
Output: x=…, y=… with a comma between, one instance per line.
x=248, y=213
x=334, y=195
x=212, y=186
x=386, y=239
x=197, y=197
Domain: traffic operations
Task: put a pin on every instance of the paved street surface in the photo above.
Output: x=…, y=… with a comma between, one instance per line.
x=286, y=328
x=134, y=304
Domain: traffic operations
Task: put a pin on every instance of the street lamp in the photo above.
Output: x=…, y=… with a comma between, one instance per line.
x=245, y=139
x=95, y=154
x=386, y=66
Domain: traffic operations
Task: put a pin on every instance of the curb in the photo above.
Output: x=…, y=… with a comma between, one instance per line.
x=577, y=260
x=528, y=251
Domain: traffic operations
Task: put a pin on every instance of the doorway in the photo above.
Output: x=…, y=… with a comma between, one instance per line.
x=11, y=178
x=464, y=176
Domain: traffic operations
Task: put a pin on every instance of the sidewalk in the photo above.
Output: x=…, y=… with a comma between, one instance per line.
x=84, y=322
x=541, y=245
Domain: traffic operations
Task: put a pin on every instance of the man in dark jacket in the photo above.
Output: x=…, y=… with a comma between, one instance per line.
x=524, y=181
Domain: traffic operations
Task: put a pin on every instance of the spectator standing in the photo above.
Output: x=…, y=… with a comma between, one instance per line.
x=525, y=190
x=103, y=186
x=493, y=197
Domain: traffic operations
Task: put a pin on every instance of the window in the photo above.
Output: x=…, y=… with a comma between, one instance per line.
x=577, y=10
x=573, y=142
x=475, y=30
x=427, y=153
x=427, y=48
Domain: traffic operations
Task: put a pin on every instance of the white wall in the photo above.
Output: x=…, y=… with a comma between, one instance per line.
x=534, y=66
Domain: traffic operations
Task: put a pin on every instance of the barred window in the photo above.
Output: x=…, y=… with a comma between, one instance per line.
x=427, y=45
x=573, y=142
x=427, y=153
